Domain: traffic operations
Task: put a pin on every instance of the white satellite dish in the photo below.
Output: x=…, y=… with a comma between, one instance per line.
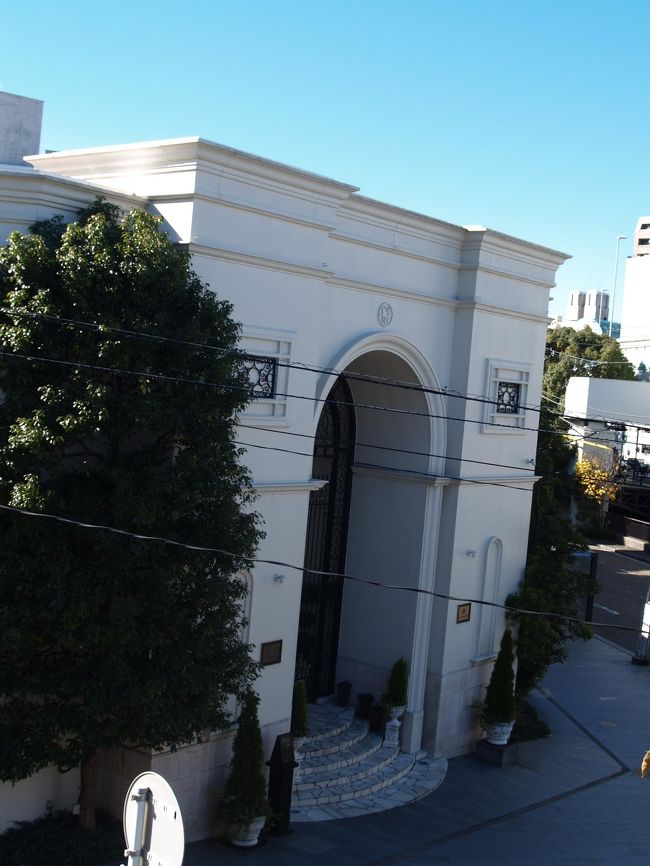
x=153, y=826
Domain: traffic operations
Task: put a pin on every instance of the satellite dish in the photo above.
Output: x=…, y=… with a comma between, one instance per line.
x=153, y=826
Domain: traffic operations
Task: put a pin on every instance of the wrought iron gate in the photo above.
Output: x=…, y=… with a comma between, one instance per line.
x=325, y=548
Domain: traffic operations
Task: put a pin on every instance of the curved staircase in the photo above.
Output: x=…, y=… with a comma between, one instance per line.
x=345, y=770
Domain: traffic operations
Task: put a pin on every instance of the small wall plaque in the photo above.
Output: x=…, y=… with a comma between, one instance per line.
x=271, y=652
x=463, y=612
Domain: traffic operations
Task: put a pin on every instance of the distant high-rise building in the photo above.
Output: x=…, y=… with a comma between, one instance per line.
x=576, y=306
x=597, y=306
x=589, y=309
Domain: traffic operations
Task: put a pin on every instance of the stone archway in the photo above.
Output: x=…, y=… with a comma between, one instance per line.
x=393, y=522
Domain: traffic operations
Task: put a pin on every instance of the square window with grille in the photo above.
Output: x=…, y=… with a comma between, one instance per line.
x=506, y=388
x=266, y=364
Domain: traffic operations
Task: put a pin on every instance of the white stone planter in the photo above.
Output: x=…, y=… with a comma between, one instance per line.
x=246, y=835
x=499, y=733
x=397, y=712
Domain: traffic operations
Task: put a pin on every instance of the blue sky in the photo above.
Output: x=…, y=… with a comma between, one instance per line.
x=530, y=118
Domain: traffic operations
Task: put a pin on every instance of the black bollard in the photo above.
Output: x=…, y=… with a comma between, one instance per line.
x=282, y=765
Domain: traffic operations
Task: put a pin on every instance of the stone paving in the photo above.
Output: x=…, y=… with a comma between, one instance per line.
x=346, y=771
x=573, y=799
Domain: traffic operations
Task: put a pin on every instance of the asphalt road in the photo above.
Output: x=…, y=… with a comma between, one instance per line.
x=624, y=580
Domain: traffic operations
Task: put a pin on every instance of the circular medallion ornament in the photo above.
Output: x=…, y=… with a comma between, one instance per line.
x=385, y=314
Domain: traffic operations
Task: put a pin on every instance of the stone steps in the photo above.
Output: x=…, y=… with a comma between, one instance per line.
x=345, y=770
x=350, y=764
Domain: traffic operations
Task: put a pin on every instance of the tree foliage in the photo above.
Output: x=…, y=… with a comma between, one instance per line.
x=551, y=583
x=581, y=353
x=398, y=683
x=499, y=704
x=244, y=795
x=299, y=711
x=106, y=639
x=598, y=484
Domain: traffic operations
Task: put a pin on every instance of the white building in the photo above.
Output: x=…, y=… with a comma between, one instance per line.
x=586, y=310
x=635, y=318
x=592, y=306
x=322, y=275
x=609, y=418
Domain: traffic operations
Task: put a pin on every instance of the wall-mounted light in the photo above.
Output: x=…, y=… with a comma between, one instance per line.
x=278, y=578
x=470, y=553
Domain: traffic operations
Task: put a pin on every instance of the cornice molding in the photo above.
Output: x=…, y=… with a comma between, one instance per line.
x=237, y=204
x=392, y=216
x=506, y=481
x=190, y=153
x=479, y=306
x=481, y=238
x=307, y=486
x=399, y=475
x=337, y=235
x=243, y=258
x=26, y=185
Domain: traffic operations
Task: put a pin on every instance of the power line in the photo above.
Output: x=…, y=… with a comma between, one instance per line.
x=408, y=451
x=223, y=386
x=286, y=432
x=238, y=353
x=148, y=374
x=591, y=362
x=143, y=374
x=420, y=474
x=304, y=570
x=297, y=365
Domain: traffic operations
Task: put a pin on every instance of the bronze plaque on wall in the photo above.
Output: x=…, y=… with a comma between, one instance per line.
x=271, y=652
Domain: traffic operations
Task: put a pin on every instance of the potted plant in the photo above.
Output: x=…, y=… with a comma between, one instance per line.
x=343, y=690
x=299, y=716
x=244, y=806
x=397, y=692
x=498, y=708
x=364, y=701
x=379, y=715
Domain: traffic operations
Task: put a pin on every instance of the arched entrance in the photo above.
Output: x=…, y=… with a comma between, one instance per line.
x=380, y=446
x=325, y=548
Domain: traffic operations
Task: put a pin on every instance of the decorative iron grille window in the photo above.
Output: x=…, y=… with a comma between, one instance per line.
x=261, y=376
x=508, y=394
x=506, y=387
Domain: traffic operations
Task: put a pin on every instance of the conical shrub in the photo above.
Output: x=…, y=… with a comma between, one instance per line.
x=244, y=796
x=499, y=703
x=299, y=713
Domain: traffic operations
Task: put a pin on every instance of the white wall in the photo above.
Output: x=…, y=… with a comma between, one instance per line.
x=608, y=400
x=29, y=799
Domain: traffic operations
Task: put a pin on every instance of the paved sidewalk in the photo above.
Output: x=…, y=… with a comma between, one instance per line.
x=571, y=799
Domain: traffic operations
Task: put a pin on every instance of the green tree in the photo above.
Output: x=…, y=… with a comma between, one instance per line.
x=581, y=353
x=244, y=795
x=551, y=584
x=106, y=639
x=499, y=704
